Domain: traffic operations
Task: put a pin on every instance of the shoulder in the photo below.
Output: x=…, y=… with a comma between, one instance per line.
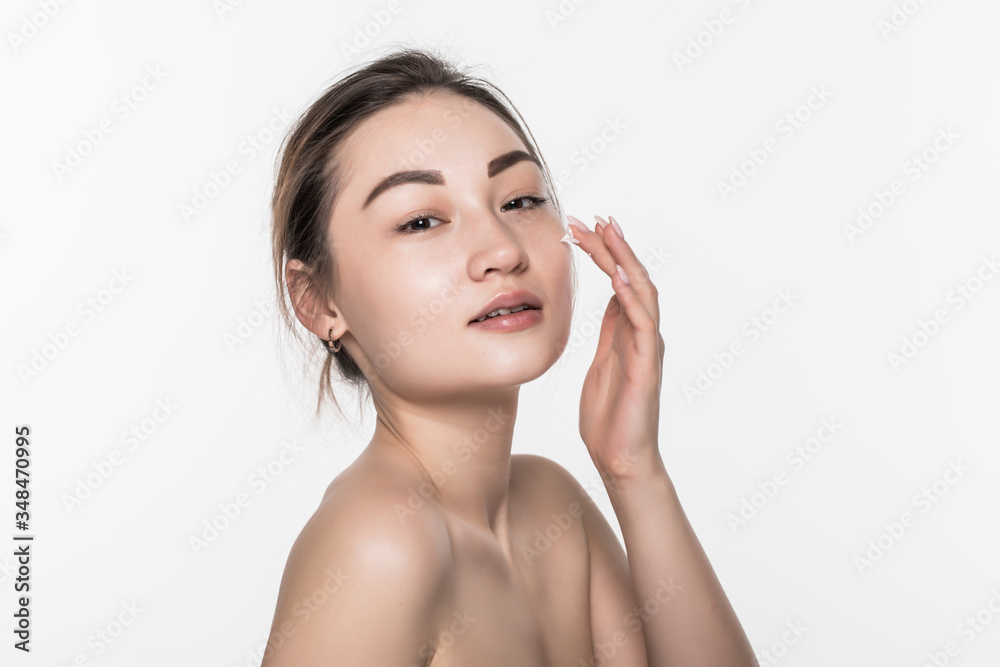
x=546, y=485
x=360, y=564
x=539, y=475
x=610, y=589
x=373, y=522
x=543, y=487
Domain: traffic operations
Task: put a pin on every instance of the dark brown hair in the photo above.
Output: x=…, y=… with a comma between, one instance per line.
x=309, y=173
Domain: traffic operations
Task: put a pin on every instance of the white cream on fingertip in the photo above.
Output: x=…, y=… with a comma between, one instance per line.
x=569, y=235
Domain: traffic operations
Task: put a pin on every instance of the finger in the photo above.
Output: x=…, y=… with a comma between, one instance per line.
x=593, y=245
x=607, y=333
x=646, y=331
x=626, y=257
x=607, y=252
x=600, y=226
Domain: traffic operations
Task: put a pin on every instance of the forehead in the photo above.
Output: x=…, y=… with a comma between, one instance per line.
x=427, y=132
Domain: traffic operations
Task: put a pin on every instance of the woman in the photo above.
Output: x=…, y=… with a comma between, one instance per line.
x=411, y=211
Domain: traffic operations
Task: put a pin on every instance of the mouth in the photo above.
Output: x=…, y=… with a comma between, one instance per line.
x=508, y=320
x=502, y=312
x=508, y=304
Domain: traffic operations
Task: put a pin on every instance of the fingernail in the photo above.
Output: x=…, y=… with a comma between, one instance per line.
x=621, y=274
x=601, y=221
x=618, y=229
x=576, y=223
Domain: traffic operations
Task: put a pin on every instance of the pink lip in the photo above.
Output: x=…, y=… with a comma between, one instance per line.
x=513, y=322
x=509, y=300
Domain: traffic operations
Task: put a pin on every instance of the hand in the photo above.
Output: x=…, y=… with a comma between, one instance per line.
x=620, y=402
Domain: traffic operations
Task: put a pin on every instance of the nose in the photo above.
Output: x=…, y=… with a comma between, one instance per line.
x=494, y=246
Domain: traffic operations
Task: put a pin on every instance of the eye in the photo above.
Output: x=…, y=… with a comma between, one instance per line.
x=532, y=202
x=522, y=203
x=406, y=228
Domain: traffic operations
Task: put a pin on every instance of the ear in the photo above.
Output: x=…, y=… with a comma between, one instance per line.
x=316, y=313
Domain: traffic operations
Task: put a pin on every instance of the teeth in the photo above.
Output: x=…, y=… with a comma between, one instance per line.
x=503, y=311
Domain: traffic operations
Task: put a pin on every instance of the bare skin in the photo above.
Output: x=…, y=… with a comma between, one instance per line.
x=437, y=546
x=440, y=590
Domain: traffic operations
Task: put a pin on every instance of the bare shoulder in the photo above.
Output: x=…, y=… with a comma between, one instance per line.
x=358, y=567
x=541, y=477
x=612, y=606
x=544, y=491
x=547, y=487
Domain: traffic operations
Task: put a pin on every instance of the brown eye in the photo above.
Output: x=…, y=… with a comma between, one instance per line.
x=406, y=227
x=532, y=202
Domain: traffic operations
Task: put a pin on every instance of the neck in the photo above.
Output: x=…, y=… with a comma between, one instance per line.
x=460, y=448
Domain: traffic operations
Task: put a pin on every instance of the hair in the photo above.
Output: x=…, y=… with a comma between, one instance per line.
x=309, y=172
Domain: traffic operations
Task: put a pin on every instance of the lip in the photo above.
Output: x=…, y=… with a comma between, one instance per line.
x=509, y=300
x=509, y=323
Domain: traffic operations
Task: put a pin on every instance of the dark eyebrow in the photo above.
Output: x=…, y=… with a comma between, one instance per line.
x=434, y=177
x=498, y=164
x=430, y=177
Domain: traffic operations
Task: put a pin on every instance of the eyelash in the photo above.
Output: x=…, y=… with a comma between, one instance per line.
x=536, y=202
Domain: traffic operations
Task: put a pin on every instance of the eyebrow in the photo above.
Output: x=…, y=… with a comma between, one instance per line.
x=435, y=177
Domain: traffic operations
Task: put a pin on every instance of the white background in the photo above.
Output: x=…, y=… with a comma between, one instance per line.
x=191, y=287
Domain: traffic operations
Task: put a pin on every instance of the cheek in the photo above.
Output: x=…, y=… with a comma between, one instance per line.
x=412, y=298
x=554, y=256
x=554, y=261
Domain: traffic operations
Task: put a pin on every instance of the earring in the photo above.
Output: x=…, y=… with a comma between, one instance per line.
x=329, y=343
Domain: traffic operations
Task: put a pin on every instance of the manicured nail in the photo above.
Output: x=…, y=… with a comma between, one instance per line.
x=618, y=229
x=621, y=274
x=601, y=221
x=576, y=223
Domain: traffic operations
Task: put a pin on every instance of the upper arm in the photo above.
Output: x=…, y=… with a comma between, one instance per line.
x=614, y=613
x=360, y=588
x=614, y=620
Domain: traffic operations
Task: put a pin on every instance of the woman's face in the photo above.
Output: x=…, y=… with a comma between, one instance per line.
x=417, y=261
